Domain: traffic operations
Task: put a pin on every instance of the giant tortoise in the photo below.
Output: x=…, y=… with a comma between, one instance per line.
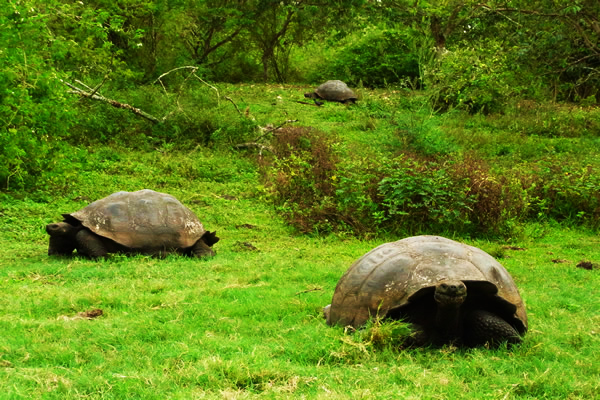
x=333, y=91
x=450, y=293
x=145, y=221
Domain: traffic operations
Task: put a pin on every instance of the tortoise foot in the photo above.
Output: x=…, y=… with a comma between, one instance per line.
x=483, y=328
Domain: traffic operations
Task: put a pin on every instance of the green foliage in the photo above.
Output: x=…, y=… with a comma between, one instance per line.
x=418, y=194
x=479, y=80
x=408, y=195
x=374, y=57
x=34, y=111
x=566, y=191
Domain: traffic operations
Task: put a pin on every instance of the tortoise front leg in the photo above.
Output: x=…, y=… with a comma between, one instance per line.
x=61, y=246
x=485, y=328
x=90, y=244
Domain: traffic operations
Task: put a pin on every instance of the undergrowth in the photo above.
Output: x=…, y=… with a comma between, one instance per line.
x=318, y=185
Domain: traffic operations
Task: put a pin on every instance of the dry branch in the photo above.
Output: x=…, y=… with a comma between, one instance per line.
x=193, y=73
x=235, y=105
x=114, y=103
x=259, y=146
x=315, y=289
x=265, y=131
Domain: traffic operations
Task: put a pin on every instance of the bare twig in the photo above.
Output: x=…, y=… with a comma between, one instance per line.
x=235, y=105
x=268, y=129
x=83, y=84
x=289, y=121
x=114, y=103
x=97, y=88
x=316, y=289
x=260, y=146
x=265, y=131
x=194, y=69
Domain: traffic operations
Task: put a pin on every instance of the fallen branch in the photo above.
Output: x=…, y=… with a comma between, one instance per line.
x=266, y=130
x=316, y=289
x=92, y=95
x=253, y=144
x=235, y=105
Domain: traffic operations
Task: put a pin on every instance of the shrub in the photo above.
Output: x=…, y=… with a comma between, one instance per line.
x=300, y=177
x=373, y=56
x=479, y=80
x=496, y=201
x=566, y=191
x=422, y=195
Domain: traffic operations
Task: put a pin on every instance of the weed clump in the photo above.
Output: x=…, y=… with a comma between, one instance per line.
x=300, y=177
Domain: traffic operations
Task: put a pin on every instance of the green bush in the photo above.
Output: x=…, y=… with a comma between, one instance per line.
x=318, y=191
x=423, y=196
x=565, y=191
x=373, y=56
x=300, y=177
x=479, y=80
x=34, y=111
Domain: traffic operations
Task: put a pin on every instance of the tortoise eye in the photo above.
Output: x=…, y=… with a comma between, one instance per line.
x=444, y=286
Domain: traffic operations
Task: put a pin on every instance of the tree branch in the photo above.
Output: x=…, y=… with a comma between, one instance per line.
x=266, y=130
x=194, y=69
x=114, y=103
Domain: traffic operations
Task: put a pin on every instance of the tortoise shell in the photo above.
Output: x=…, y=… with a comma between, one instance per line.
x=335, y=90
x=395, y=275
x=142, y=220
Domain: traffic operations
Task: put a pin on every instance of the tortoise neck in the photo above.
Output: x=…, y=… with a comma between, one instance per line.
x=448, y=322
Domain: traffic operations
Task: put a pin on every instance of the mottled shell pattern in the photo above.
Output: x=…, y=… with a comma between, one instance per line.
x=393, y=274
x=335, y=90
x=142, y=220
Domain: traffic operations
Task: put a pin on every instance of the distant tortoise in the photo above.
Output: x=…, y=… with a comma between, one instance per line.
x=333, y=91
x=145, y=222
x=425, y=280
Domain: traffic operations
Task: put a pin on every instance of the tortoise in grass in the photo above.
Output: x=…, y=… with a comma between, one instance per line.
x=450, y=293
x=145, y=222
x=333, y=91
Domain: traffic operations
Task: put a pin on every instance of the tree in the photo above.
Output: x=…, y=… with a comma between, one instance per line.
x=562, y=41
x=282, y=24
x=207, y=26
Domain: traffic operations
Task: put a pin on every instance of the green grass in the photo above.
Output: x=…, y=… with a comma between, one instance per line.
x=247, y=323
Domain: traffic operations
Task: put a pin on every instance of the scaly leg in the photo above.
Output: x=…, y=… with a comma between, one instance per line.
x=485, y=328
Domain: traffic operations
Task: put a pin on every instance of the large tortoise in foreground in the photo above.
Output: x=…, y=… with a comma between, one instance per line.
x=145, y=221
x=450, y=293
x=333, y=91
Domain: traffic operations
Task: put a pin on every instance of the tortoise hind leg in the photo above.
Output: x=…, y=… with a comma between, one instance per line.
x=485, y=328
x=90, y=244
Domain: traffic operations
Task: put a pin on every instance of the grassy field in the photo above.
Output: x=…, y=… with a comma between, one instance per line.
x=247, y=323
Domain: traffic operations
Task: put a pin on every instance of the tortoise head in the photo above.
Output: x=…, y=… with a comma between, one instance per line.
x=450, y=292
x=210, y=238
x=61, y=229
x=311, y=95
x=62, y=238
